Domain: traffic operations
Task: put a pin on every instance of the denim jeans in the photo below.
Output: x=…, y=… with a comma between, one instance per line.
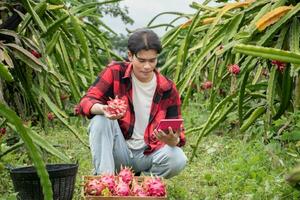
x=110, y=152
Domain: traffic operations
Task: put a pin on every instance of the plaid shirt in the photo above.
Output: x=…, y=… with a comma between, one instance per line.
x=115, y=80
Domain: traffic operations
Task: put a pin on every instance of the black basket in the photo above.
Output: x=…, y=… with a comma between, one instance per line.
x=27, y=183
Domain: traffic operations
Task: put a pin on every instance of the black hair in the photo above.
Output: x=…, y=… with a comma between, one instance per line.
x=143, y=39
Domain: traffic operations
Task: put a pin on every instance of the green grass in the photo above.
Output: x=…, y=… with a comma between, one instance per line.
x=229, y=168
x=228, y=165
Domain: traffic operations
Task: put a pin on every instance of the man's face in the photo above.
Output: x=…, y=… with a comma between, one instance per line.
x=144, y=63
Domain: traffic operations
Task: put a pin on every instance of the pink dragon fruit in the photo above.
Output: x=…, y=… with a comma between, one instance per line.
x=138, y=190
x=109, y=181
x=207, y=85
x=154, y=187
x=126, y=175
x=234, y=69
x=94, y=187
x=50, y=116
x=122, y=189
x=116, y=106
x=280, y=65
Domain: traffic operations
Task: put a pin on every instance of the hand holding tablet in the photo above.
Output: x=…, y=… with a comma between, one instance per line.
x=164, y=124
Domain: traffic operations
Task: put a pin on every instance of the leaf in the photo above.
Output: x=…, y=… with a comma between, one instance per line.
x=278, y=25
x=9, y=33
x=57, y=113
x=85, y=6
x=51, y=105
x=55, y=26
x=55, y=2
x=291, y=136
x=40, y=141
x=4, y=73
x=294, y=42
x=230, y=6
x=50, y=45
x=40, y=9
x=55, y=7
x=27, y=57
x=34, y=15
x=268, y=53
x=253, y=117
x=232, y=28
x=272, y=17
x=83, y=42
x=64, y=62
x=8, y=59
x=31, y=149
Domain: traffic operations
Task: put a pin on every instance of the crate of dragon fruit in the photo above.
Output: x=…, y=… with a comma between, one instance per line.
x=123, y=186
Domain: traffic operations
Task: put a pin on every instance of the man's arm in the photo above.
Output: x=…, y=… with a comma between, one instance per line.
x=97, y=109
x=100, y=109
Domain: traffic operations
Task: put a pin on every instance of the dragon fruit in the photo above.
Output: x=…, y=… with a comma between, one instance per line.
x=50, y=116
x=280, y=65
x=35, y=53
x=138, y=190
x=94, y=187
x=234, y=69
x=122, y=189
x=154, y=187
x=116, y=106
x=126, y=175
x=76, y=110
x=207, y=85
x=2, y=131
x=109, y=181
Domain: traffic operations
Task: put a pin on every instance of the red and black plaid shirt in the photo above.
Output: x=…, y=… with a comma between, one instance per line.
x=115, y=80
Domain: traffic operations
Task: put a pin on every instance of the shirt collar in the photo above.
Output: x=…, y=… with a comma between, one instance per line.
x=163, y=84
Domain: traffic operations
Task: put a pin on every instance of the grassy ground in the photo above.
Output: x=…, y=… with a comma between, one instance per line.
x=228, y=165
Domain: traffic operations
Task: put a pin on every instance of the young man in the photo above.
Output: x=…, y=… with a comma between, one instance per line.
x=130, y=138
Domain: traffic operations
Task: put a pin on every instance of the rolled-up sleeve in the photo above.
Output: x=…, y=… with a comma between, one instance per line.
x=99, y=92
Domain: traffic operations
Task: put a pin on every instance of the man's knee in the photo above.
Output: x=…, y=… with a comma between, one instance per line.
x=173, y=159
x=98, y=122
x=177, y=161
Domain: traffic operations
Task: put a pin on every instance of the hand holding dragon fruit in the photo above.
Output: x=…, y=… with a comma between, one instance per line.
x=116, y=106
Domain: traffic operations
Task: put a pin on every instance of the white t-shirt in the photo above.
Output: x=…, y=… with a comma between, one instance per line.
x=142, y=96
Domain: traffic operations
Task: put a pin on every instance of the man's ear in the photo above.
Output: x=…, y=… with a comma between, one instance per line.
x=130, y=56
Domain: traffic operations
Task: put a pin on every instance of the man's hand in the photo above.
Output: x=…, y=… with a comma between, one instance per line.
x=100, y=109
x=171, y=138
x=111, y=116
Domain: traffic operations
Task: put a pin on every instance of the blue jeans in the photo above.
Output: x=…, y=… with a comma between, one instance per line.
x=110, y=152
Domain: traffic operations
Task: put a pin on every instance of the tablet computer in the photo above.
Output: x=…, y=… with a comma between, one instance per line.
x=164, y=124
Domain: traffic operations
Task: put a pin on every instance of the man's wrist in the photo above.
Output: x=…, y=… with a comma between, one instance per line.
x=97, y=109
x=173, y=143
